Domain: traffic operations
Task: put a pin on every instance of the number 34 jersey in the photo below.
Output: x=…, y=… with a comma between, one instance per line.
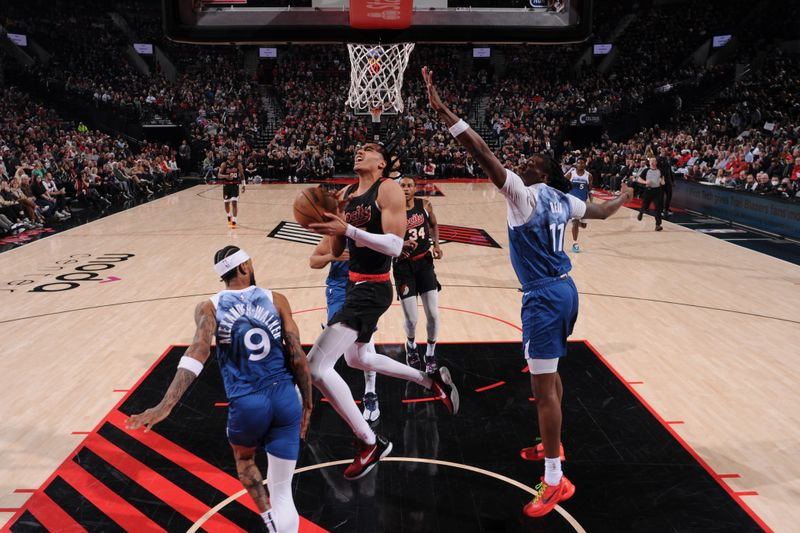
x=418, y=228
x=249, y=341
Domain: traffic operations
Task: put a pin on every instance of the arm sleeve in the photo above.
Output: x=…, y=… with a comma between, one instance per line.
x=577, y=207
x=385, y=243
x=521, y=200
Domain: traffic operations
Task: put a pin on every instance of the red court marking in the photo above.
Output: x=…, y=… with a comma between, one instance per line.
x=51, y=516
x=682, y=442
x=729, y=476
x=635, y=382
x=122, y=390
x=25, y=490
x=532, y=399
x=492, y=386
x=81, y=432
x=120, y=511
x=164, y=489
x=79, y=446
x=483, y=315
x=221, y=404
x=673, y=421
x=747, y=493
x=9, y=509
x=417, y=400
x=186, y=460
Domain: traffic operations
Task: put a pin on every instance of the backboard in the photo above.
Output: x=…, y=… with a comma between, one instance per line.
x=427, y=21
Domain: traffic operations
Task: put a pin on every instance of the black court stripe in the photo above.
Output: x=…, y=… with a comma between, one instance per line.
x=210, y=496
x=26, y=522
x=136, y=495
x=79, y=507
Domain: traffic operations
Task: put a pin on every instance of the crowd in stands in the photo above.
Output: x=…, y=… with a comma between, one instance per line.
x=50, y=169
x=528, y=101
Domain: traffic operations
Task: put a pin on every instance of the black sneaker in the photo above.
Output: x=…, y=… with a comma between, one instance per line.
x=431, y=365
x=412, y=357
x=639, y=216
x=659, y=228
x=445, y=389
x=372, y=410
x=367, y=457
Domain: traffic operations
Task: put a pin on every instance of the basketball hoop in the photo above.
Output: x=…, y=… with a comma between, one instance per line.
x=376, y=77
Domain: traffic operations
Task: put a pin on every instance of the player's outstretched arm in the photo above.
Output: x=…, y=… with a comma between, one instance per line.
x=295, y=358
x=606, y=209
x=188, y=369
x=470, y=140
x=437, y=250
x=321, y=256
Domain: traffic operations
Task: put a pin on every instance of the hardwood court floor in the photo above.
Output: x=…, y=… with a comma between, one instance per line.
x=706, y=330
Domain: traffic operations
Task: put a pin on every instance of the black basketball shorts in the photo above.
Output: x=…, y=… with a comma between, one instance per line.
x=230, y=192
x=415, y=277
x=364, y=304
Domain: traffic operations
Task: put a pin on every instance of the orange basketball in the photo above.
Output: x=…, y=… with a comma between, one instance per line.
x=311, y=203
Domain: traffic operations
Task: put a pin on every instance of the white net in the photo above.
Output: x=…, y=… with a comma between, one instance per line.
x=376, y=76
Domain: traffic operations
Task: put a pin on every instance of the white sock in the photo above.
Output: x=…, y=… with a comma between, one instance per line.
x=234, y=220
x=430, y=349
x=369, y=381
x=269, y=521
x=552, y=471
x=411, y=343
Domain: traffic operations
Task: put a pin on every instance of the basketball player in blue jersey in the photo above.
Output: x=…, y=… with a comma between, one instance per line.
x=372, y=229
x=538, y=212
x=335, y=294
x=261, y=360
x=581, y=188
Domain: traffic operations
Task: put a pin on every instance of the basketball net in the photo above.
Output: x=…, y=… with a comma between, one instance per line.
x=376, y=77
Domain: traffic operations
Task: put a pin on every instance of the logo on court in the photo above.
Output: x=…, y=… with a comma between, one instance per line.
x=294, y=232
x=69, y=273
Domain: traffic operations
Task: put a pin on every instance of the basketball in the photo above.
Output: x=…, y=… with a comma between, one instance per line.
x=311, y=203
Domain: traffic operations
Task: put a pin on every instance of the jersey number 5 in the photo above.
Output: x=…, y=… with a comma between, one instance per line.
x=258, y=350
x=557, y=235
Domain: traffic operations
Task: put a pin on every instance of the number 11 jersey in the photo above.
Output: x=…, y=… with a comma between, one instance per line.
x=249, y=341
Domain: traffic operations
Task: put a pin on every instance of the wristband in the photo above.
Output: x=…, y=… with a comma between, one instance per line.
x=191, y=364
x=458, y=128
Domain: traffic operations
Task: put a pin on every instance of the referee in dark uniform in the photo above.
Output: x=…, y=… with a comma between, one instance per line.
x=665, y=166
x=653, y=181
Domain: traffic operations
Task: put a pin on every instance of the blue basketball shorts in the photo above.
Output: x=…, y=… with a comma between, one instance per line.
x=335, y=297
x=269, y=418
x=549, y=311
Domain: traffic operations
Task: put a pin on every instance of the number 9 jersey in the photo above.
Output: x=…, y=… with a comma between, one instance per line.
x=249, y=341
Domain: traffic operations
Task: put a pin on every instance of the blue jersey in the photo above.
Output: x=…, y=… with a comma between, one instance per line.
x=537, y=220
x=338, y=275
x=580, y=185
x=249, y=341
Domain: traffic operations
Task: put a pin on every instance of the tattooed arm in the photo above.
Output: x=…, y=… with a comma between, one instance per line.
x=295, y=357
x=200, y=350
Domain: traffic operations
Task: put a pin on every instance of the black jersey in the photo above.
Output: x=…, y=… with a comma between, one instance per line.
x=418, y=228
x=234, y=172
x=363, y=213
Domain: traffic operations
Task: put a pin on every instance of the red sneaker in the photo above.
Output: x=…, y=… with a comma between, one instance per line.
x=547, y=497
x=536, y=453
x=445, y=390
x=367, y=457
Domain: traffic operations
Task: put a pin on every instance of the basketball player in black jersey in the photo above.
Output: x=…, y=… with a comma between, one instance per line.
x=414, y=274
x=373, y=227
x=231, y=173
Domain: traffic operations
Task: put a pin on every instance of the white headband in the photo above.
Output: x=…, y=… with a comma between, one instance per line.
x=231, y=262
